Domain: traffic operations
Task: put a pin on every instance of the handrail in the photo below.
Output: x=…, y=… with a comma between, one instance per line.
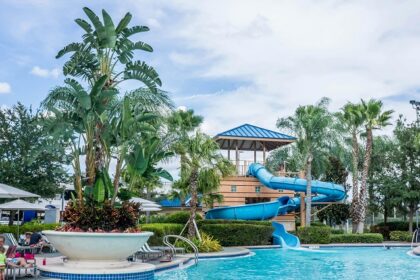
x=189, y=242
x=415, y=234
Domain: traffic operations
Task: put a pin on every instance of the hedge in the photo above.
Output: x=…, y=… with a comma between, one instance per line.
x=385, y=230
x=160, y=230
x=337, y=231
x=207, y=222
x=357, y=238
x=239, y=234
x=29, y=227
x=398, y=235
x=180, y=217
x=314, y=234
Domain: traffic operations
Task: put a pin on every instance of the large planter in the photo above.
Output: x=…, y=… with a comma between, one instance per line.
x=97, y=249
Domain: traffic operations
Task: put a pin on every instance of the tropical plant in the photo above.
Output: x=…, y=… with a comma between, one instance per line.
x=374, y=118
x=29, y=158
x=99, y=124
x=353, y=118
x=202, y=167
x=312, y=126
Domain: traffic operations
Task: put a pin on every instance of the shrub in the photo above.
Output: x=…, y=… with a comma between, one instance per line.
x=337, y=231
x=239, y=234
x=357, y=238
x=28, y=227
x=208, y=222
x=180, y=217
x=385, y=230
x=160, y=230
x=397, y=235
x=314, y=234
x=206, y=245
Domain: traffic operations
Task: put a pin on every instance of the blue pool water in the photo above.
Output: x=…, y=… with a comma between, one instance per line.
x=332, y=263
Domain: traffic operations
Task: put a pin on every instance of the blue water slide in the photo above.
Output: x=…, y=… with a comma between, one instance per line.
x=325, y=192
x=283, y=238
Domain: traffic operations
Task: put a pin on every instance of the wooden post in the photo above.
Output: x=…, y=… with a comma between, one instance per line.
x=237, y=157
x=255, y=151
x=228, y=149
x=302, y=203
x=263, y=153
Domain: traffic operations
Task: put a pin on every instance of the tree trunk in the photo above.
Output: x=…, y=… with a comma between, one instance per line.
x=363, y=199
x=355, y=179
x=308, y=190
x=411, y=213
x=116, y=182
x=385, y=215
x=193, y=204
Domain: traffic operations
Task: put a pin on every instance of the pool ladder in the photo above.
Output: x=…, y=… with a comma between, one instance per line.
x=172, y=247
x=415, y=237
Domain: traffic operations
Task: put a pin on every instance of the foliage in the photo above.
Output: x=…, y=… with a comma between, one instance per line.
x=313, y=127
x=314, y=234
x=206, y=245
x=233, y=222
x=335, y=214
x=404, y=236
x=337, y=231
x=357, y=238
x=386, y=229
x=160, y=230
x=29, y=159
x=99, y=124
x=180, y=217
x=202, y=168
x=100, y=218
x=239, y=234
x=374, y=118
x=28, y=227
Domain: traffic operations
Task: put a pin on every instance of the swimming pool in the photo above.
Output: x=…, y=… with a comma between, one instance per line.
x=330, y=263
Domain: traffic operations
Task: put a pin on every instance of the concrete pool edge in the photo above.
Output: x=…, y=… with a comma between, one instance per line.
x=228, y=252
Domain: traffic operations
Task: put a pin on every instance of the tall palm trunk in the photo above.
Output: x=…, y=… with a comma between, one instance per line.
x=308, y=190
x=363, y=197
x=355, y=178
x=193, y=203
x=411, y=212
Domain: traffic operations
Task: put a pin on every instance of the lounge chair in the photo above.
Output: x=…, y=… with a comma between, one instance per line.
x=147, y=253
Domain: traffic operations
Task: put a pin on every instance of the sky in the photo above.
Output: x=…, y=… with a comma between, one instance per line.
x=233, y=62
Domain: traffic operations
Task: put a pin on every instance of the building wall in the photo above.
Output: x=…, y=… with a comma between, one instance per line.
x=246, y=187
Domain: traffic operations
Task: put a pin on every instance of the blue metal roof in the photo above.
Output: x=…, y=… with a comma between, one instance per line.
x=252, y=131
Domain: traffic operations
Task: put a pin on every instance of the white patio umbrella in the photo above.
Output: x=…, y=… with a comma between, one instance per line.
x=144, y=202
x=19, y=205
x=7, y=191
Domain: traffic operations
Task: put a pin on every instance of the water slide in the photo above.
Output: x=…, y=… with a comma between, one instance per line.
x=325, y=192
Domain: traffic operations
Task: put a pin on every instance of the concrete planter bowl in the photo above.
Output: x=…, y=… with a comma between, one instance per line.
x=86, y=249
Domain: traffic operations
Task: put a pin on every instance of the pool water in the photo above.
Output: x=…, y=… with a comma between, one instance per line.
x=331, y=263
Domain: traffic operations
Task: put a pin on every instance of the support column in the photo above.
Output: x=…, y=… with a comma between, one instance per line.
x=255, y=151
x=302, y=203
x=263, y=153
x=228, y=149
x=237, y=157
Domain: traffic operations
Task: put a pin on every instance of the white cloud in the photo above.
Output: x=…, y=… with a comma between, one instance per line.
x=45, y=73
x=5, y=88
x=291, y=53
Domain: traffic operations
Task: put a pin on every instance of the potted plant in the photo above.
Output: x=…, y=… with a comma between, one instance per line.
x=101, y=125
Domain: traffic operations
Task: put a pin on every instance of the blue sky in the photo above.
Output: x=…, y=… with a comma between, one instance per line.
x=233, y=62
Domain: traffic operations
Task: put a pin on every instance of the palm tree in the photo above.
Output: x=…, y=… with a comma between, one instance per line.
x=375, y=118
x=311, y=125
x=353, y=119
x=202, y=165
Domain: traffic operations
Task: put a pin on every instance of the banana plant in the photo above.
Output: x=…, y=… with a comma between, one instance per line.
x=108, y=50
